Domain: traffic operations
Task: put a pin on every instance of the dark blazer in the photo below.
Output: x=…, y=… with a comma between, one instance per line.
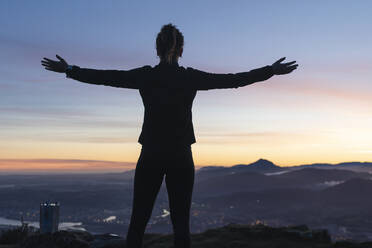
x=167, y=92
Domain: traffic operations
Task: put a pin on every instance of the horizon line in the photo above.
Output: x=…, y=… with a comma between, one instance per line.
x=86, y=166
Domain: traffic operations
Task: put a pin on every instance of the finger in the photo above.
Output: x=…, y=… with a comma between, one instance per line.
x=48, y=64
x=44, y=63
x=51, y=66
x=59, y=57
x=290, y=62
x=47, y=68
x=280, y=60
x=50, y=60
x=292, y=67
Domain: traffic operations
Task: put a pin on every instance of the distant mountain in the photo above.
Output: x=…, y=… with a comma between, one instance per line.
x=357, y=166
x=234, y=182
x=230, y=180
x=265, y=166
x=356, y=192
x=260, y=166
x=368, y=164
x=128, y=175
x=211, y=171
x=339, y=164
x=268, y=200
x=310, y=176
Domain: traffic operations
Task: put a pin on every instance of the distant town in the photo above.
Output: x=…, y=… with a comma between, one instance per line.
x=333, y=197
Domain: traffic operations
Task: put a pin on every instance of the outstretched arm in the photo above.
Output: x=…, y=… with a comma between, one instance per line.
x=133, y=79
x=201, y=80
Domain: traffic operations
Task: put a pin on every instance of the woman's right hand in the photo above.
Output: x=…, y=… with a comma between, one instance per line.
x=283, y=68
x=56, y=66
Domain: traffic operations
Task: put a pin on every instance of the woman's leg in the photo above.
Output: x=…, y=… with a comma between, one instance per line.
x=147, y=181
x=180, y=181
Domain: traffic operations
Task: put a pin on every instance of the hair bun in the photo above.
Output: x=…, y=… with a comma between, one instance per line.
x=168, y=41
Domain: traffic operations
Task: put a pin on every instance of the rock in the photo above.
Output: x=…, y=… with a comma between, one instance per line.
x=60, y=239
x=107, y=240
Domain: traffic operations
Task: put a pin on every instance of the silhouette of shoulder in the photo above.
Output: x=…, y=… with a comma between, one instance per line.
x=172, y=76
x=192, y=78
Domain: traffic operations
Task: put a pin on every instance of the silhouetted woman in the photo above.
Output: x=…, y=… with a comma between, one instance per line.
x=167, y=92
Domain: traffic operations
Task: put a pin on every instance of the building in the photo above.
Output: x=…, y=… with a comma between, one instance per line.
x=49, y=217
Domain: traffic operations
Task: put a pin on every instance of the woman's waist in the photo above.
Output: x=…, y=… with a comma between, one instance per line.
x=160, y=147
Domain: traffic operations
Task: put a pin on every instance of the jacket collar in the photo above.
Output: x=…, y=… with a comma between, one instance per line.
x=165, y=64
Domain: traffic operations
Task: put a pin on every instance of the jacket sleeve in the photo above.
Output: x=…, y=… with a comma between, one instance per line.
x=201, y=80
x=132, y=79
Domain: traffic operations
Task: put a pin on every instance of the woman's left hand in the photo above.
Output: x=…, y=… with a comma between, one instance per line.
x=57, y=66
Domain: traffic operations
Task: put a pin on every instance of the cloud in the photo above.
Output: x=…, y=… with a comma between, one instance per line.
x=241, y=134
x=78, y=123
x=346, y=94
x=48, y=165
x=92, y=139
x=60, y=117
x=48, y=112
x=335, y=67
x=258, y=138
x=66, y=165
x=69, y=137
x=59, y=161
x=364, y=151
x=314, y=92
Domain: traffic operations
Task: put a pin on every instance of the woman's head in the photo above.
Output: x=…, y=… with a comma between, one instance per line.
x=169, y=43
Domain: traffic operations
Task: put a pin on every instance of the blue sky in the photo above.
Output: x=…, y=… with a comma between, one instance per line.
x=319, y=113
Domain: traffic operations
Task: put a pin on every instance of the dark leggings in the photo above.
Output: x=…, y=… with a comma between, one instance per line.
x=178, y=167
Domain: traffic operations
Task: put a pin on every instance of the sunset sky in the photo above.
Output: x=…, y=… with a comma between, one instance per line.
x=322, y=112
